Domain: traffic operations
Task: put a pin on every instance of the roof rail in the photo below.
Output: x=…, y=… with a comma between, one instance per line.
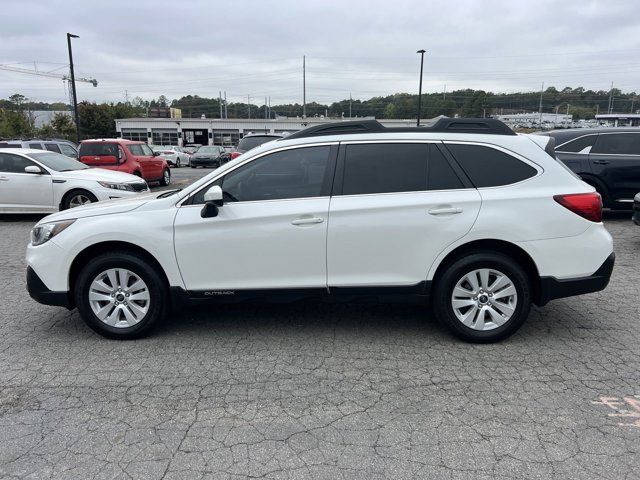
x=443, y=125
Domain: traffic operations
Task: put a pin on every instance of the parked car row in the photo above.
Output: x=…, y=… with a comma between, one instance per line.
x=65, y=147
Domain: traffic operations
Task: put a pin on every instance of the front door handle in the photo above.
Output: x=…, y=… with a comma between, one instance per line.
x=601, y=162
x=4, y=179
x=445, y=211
x=307, y=221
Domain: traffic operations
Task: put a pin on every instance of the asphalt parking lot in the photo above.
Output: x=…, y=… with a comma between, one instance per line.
x=314, y=390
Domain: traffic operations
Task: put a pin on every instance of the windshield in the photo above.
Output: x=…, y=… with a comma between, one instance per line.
x=247, y=143
x=208, y=150
x=58, y=162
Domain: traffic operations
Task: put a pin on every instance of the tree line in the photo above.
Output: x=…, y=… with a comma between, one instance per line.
x=98, y=120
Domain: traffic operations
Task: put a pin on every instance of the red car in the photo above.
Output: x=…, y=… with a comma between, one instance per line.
x=126, y=156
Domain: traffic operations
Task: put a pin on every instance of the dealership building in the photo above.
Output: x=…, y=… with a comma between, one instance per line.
x=225, y=132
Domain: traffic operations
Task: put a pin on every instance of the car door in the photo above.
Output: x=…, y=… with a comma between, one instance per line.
x=271, y=232
x=145, y=161
x=395, y=207
x=615, y=158
x=156, y=163
x=21, y=191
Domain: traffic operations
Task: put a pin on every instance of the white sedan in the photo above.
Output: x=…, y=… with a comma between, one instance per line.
x=36, y=181
x=175, y=156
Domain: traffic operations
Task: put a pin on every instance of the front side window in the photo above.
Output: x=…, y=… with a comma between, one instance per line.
x=577, y=145
x=489, y=167
x=146, y=150
x=294, y=173
x=617, y=144
x=10, y=163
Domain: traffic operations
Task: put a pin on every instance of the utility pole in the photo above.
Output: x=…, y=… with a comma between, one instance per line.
x=304, y=87
x=610, y=99
x=444, y=95
x=421, y=52
x=73, y=85
x=248, y=106
x=226, y=113
x=220, y=101
x=567, y=109
x=632, y=102
x=350, y=100
x=540, y=107
x=265, y=108
x=126, y=97
x=269, y=107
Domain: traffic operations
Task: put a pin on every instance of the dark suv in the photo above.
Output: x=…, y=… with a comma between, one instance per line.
x=606, y=158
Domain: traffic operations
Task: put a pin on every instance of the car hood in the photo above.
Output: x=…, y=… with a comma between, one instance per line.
x=102, y=208
x=100, y=175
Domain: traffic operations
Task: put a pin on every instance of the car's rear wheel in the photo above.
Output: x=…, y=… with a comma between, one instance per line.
x=166, y=177
x=120, y=295
x=483, y=297
x=77, y=198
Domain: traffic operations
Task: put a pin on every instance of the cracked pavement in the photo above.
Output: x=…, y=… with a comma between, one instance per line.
x=314, y=390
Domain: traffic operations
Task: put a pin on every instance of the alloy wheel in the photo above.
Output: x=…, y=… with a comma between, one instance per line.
x=78, y=200
x=484, y=299
x=119, y=297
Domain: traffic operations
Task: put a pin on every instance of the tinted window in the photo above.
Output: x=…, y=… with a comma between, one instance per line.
x=135, y=149
x=578, y=144
x=68, y=150
x=618, y=144
x=99, y=149
x=10, y=145
x=295, y=173
x=37, y=146
x=488, y=167
x=52, y=147
x=247, y=143
x=385, y=168
x=441, y=176
x=10, y=163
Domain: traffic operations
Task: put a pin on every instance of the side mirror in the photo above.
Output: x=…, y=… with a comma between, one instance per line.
x=33, y=169
x=213, y=200
x=156, y=154
x=214, y=195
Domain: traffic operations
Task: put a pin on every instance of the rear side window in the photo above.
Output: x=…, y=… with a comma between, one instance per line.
x=36, y=146
x=10, y=145
x=52, y=147
x=489, y=167
x=385, y=168
x=577, y=145
x=617, y=144
x=98, y=149
x=399, y=167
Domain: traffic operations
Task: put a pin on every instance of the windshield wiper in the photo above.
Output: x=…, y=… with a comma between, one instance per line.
x=169, y=193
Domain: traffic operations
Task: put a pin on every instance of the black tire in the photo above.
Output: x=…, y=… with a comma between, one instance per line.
x=166, y=177
x=442, y=299
x=154, y=280
x=70, y=198
x=137, y=174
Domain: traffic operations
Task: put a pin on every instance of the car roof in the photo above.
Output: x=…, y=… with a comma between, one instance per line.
x=113, y=140
x=24, y=151
x=563, y=136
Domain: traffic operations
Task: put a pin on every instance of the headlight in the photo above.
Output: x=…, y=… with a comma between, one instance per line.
x=117, y=186
x=43, y=233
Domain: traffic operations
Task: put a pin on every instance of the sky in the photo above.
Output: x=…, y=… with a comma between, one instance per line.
x=149, y=48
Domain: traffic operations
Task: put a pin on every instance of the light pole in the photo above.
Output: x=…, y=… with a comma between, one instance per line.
x=73, y=86
x=421, y=52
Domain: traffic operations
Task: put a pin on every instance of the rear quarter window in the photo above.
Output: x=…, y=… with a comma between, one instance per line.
x=489, y=167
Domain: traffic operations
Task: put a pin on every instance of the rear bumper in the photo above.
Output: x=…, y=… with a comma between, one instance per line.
x=552, y=288
x=41, y=294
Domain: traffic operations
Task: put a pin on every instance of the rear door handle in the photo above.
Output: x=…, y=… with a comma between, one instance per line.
x=601, y=162
x=445, y=211
x=4, y=179
x=307, y=221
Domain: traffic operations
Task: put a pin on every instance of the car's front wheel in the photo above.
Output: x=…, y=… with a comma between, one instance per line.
x=166, y=178
x=120, y=295
x=77, y=198
x=483, y=297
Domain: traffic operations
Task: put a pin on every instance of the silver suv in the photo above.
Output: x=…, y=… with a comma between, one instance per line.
x=64, y=147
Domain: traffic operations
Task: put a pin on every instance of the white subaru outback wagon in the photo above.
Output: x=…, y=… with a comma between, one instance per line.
x=465, y=214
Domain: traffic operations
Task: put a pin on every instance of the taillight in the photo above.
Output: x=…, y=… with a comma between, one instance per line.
x=587, y=205
x=167, y=153
x=235, y=155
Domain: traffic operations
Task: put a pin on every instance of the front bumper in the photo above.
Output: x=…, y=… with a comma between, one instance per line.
x=41, y=294
x=552, y=288
x=205, y=162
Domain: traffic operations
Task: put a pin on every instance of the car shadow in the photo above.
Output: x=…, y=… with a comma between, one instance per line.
x=22, y=217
